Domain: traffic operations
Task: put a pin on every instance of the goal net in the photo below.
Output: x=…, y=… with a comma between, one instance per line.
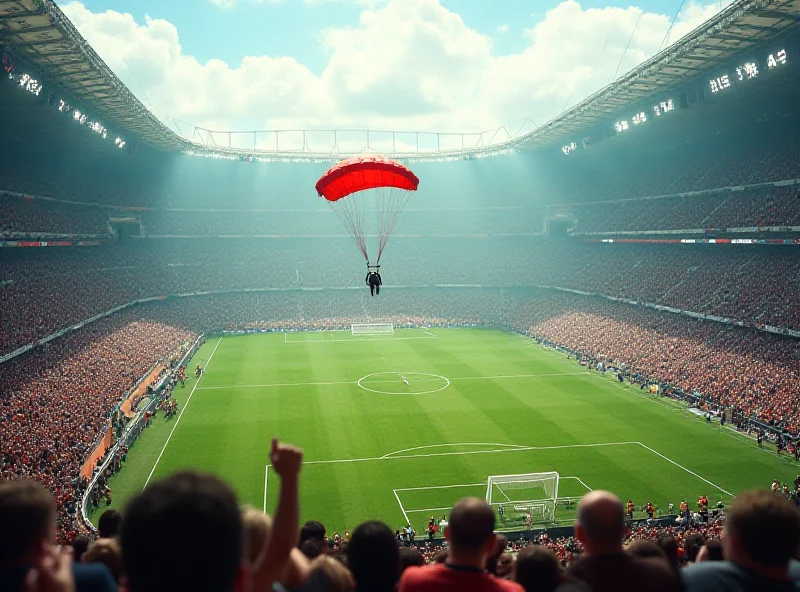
x=372, y=329
x=520, y=496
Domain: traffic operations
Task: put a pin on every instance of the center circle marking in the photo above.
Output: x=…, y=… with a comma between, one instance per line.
x=411, y=376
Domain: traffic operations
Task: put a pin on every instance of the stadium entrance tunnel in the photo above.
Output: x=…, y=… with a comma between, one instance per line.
x=403, y=383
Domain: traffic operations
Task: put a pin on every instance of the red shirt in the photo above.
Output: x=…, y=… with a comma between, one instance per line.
x=440, y=577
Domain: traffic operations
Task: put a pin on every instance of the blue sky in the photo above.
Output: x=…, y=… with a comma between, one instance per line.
x=410, y=65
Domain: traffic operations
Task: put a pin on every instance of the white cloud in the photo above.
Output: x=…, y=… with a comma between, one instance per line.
x=228, y=4
x=502, y=28
x=405, y=65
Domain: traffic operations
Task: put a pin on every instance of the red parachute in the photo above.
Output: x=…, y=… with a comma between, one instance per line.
x=368, y=193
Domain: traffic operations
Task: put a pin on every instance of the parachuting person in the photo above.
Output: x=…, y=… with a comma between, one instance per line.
x=373, y=280
x=368, y=192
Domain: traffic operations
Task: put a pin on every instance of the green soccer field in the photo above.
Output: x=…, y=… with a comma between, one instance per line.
x=399, y=427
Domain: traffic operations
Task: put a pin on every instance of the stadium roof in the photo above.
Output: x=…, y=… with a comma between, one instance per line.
x=743, y=25
x=39, y=33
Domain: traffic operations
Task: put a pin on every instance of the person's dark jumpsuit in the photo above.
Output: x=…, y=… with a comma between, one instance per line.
x=374, y=282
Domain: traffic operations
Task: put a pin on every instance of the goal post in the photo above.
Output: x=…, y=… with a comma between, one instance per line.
x=372, y=329
x=534, y=494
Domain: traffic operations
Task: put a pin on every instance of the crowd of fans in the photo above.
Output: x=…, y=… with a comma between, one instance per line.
x=46, y=290
x=724, y=209
x=163, y=542
x=31, y=217
x=770, y=207
x=755, y=372
x=57, y=400
x=677, y=168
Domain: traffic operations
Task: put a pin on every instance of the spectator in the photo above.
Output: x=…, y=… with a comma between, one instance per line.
x=600, y=527
x=187, y=511
x=669, y=545
x=470, y=540
x=79, y=546
x=28, y=551
x=646, y=548
x=410, y=557
x=312, y=531
x=183, y=513
x=537, y=570
x=257, y=528
x=505, y=565
x=106, y=551
x=692, y=546
x=762, y=534
x=331, y=575
x=373, y=557
x=109, y=524
x=711, y=551
x=500, y=546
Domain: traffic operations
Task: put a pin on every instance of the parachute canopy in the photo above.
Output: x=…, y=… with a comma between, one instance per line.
x=368, y=193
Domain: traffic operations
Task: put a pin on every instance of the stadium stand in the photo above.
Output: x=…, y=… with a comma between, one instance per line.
x=57, y=399
x=50, y=289
x=767, y=207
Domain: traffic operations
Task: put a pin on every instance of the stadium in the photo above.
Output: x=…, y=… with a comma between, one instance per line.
x=609, y=302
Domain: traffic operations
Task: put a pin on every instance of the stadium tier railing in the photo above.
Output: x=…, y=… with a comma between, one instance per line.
x=129, y=434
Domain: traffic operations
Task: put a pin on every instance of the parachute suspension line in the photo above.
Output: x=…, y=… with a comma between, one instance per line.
x=363, y=187
x=393, y=201
x=350, y=216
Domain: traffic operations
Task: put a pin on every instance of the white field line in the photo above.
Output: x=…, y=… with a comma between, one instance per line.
x=529, y=341
x=669, y=460
x=431, y=334
x=440, y=487
x=402, y=509
x=456, y=444
x=519, y=376
x=266, y=478
x=180, y=415
x=579, y=481
x=468, y=452
x=447, y=509
x=340, y=382
x=274, y=385
x=738, y=436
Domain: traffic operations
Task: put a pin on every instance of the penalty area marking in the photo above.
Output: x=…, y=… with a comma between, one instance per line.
x=450, y=445
x=498, y=451
x=455, y=486
x=405, y=377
